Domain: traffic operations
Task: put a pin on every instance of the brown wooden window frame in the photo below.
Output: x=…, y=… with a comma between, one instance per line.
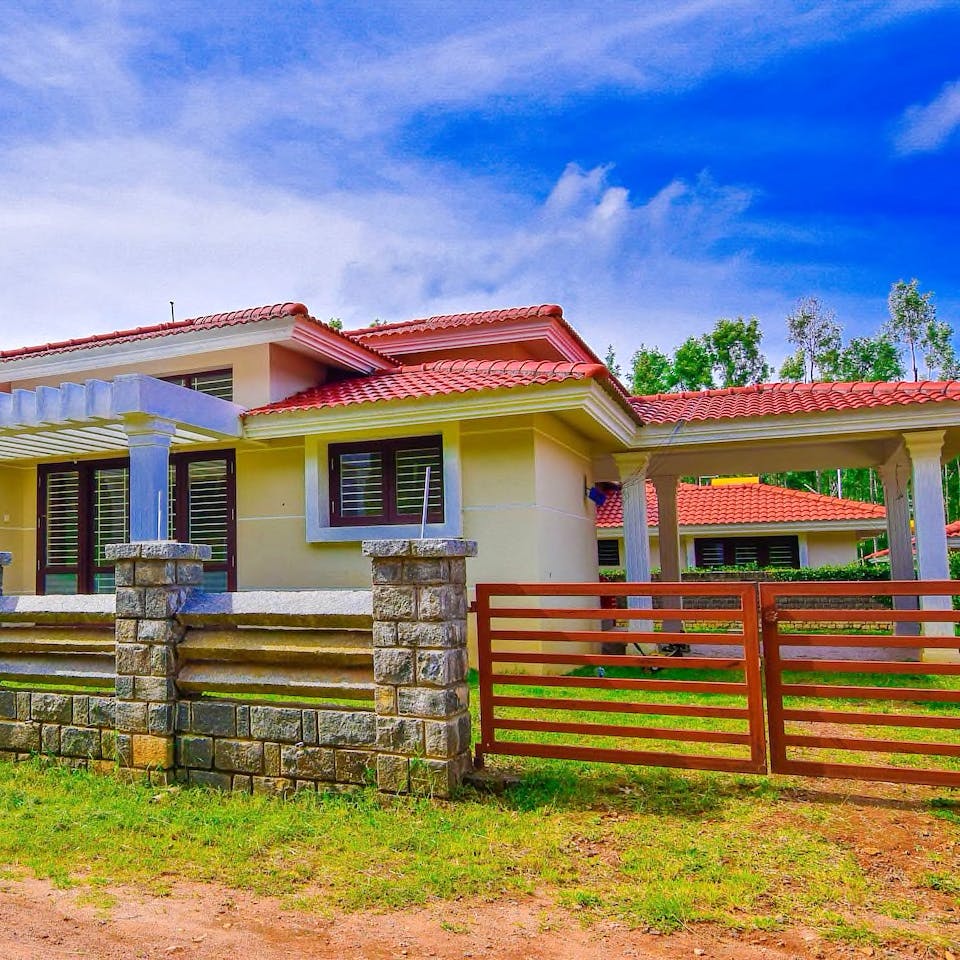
x=85, y=568
x=762, y=545
x=387, y=450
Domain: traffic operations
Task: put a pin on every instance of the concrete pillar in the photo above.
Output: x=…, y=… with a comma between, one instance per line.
x=420, y=663
x=895, y=476
x=669, y=527
x=149, y=439
x=929, y=518
x=636, y=534
x=154, y=579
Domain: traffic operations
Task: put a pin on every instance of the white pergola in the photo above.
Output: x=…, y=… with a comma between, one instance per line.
x=906, y=444
x=141, y=414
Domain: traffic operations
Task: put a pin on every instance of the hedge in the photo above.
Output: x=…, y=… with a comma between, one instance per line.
x=852, y=571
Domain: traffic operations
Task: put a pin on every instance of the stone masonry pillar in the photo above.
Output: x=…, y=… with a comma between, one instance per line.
x=420, y=663
x=154, y=578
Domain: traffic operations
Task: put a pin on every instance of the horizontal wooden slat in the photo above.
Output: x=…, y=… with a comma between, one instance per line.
x=616, y=660
x=873, y=746
x=859, y=588
x=882, y=774
x=607, y=589
x=618, y=683
x=870, y=693
x=682, y=761
x=862, y=640
x=871, y=616
x=618, y=730
x=873, y=719
x=617, y=706
x=598, y=613
x=872, y=666
x=618, y=636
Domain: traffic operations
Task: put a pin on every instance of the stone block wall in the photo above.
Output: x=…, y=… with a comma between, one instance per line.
x=274, y=750
x=417, y=736
x=420, y=663
x=76, y=728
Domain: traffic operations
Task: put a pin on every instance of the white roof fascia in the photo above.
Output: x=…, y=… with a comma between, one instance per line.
x=177, y=343
x=871, y=525
x=827, y=425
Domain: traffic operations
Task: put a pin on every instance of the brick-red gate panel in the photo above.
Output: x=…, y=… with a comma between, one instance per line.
x=555, y=628
x=817, y=723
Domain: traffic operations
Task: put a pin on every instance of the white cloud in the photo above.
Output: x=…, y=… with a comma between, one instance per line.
x=924, y=129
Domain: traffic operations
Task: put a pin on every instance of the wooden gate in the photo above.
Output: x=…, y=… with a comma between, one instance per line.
x=816, y=722
x=592, y=713
x=598, y=672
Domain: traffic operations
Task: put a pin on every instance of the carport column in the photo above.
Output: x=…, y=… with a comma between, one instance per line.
x=420, y=663
x=154, y=581
x=149, y=439
x=930, y=524
x=895, y=476
x=669, y=527
x=636, y=533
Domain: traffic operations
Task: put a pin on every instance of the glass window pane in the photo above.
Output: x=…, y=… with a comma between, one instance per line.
x=111, y=510
x=411, y=473
x=62, y=510
x=208, y=519
x=60, y=583
x=361, y=484
x=215, y=581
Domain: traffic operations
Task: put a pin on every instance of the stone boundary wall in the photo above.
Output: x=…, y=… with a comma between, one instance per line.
x=415, y=737
x=273, y=749
x=76, y=728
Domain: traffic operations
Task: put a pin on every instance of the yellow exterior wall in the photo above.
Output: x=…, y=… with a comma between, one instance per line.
x=18, y=527
x=831, y=549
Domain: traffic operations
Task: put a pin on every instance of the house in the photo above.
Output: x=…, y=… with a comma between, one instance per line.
x=748, y=523
x=282, y=443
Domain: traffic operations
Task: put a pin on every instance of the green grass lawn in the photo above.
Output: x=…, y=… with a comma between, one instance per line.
x=649, y=847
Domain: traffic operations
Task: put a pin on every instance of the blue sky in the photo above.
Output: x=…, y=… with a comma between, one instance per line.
x=651, y=166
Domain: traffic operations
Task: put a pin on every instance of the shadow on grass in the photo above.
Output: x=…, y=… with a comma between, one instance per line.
x=652, y=790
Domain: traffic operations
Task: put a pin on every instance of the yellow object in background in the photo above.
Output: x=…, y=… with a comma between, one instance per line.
x=726, y=481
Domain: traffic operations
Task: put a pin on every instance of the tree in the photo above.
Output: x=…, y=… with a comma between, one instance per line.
x=869, y=358
x=652, y=371
x=815, y=333
x=611, y=361
x=693, y=364
x=736, y=352
x=794, y=367
x=938, y=352
x=911, y=315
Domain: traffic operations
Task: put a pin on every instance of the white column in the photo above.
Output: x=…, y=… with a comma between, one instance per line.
x=669, y=527
x=929, y=518
x=149, y=439
x=636, y=533
x=895, y=476
x=666, y=487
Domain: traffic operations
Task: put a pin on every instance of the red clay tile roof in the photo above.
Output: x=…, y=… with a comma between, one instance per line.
x=773, y=399
x=395, y=331
x=458, y=320
x=744, y=503
x=163, y=329
x=435, y=379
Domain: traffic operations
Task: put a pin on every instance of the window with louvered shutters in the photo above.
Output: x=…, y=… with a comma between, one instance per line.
x=608, y=553
x=709, y=553
x=60, y=531
x=85, y=507
x=383, y=482
x=410, y=469
x=215, y=383
x=111, y=521
x=747, y=551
